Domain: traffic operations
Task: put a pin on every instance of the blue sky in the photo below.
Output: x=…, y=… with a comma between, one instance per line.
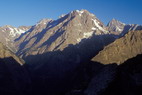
x=28, y=12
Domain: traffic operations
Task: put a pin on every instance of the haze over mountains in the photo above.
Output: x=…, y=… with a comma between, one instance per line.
x=68, y=56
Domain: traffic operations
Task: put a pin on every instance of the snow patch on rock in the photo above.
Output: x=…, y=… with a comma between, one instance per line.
x=93, y=28
x=85, y=35
x=97, y=25
x=88, y=34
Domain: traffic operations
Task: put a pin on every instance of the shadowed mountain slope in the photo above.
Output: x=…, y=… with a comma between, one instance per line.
x=122, y=49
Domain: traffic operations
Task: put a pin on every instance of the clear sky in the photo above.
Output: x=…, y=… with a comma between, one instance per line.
x=28, y=12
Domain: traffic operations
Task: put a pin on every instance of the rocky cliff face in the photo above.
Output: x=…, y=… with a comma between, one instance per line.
x=70, y=29
x=122, y=49
x=53, y=35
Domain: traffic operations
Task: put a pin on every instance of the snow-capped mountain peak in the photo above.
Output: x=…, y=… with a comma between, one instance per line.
x=81, y=12
x=116, y=22
x=9, y=34
x=72, y=28
x=12, y=31
x=116, y=26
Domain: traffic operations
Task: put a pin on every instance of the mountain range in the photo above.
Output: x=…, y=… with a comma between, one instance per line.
x=74, y=55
